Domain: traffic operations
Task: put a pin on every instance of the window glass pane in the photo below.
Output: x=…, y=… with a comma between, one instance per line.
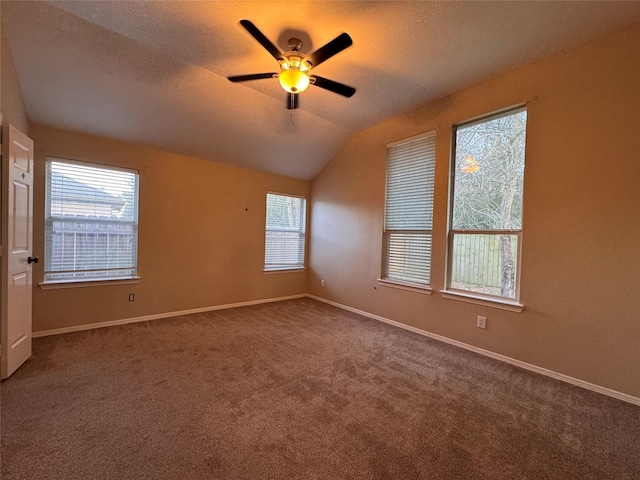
x=285, y=232
x=85, y=190
x=408, y=217
x=489, y=172
x=409, y=188
x=91, y=230
x=485, y=263
x=487, y=193
x=407, y=256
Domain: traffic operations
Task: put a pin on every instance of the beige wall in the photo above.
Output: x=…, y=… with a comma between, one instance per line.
x=581, y=244
x=201, y=235
x=11, y=104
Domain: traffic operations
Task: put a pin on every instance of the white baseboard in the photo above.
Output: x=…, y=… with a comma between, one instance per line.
x=145, y=318
x=503, y=358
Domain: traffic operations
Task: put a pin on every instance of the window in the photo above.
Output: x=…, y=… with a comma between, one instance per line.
x=408, y=213
x=285, y=232
x=485, y=224
x=91, y=222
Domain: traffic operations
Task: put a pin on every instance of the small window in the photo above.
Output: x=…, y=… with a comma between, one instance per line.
x=408, y=213
x=285, y=232
x=91, y=222
x=485, y=224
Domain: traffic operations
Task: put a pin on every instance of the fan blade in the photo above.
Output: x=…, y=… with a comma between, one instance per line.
x=254, y=76
x=292, y=101
x=330, y=49
x=262, y=40
x=335, y=87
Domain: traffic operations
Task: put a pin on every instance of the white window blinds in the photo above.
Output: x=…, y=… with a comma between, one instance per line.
x=285, y=232
x=91, y=222
x=409, y=210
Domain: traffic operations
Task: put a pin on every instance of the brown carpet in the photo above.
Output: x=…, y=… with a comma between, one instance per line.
x=298, y=390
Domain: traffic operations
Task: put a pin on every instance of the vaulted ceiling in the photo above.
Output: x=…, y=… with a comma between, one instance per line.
x=155, y=72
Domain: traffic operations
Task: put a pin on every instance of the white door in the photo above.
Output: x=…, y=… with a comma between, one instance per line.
x=17, y=238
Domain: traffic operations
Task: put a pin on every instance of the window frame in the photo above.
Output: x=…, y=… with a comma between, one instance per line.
x=488, y=299
x=302, y=257
x=49, y=283
x=401, y=283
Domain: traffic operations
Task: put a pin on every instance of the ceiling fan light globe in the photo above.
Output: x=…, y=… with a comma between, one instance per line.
x=293, y=80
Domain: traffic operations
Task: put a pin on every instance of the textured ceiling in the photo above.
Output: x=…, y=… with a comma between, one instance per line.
x=154, y=72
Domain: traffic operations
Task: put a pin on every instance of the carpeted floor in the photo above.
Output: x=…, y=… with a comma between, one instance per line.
x=298, y=390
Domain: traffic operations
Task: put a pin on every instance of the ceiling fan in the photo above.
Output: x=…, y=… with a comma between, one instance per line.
x=295, y=66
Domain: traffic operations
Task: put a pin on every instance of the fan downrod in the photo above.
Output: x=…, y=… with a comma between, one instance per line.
x=295, y=44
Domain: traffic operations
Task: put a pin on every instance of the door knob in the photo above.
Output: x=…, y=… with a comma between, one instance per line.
x=32, y=260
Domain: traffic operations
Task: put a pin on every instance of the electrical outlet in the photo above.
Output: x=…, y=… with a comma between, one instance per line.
x=482, y=322
x=131, y=297
x=322, y=283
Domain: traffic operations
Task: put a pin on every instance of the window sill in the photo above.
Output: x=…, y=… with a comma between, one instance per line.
x=87, y=283
x=284, y=270
x=411, y=287
x=511, y=306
